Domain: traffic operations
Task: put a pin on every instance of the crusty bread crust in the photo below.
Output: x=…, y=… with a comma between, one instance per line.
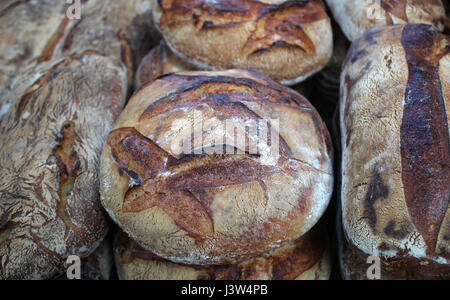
x=51, y=141
x=307, y=258
x=203, y=209
x=357, y=16
x=159, y=61
x=395, y=93
x=288, y=40
x=70, y=83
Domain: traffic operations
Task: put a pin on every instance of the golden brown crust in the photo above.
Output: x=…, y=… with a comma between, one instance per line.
x=306, y=258
x=356, y=16
x=396, y=197
x=209, y=209
x=258, y=35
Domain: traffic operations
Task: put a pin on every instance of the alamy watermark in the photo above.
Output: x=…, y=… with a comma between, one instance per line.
x=73, y=263
x=212, y=136
x=374, y=270
x=74, y=10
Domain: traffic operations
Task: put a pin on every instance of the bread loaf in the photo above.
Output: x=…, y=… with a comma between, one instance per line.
x=51, y=139
x=37, y=31
x=186, y=203
x=286, y=40
x=357, y=16
x=25, y=28
x=55, y=116
x=307, y=258
x=395, y=90
x=160, y=60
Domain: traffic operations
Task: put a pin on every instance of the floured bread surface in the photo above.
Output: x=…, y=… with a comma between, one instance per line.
x=357, y=16
x=395, y=92
x=180, y=198
x=287, y=40
x=51, y=140
x=307, y=258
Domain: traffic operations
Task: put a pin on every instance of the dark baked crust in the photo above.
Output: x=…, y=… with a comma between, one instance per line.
x=396, y=197
x=263, y=33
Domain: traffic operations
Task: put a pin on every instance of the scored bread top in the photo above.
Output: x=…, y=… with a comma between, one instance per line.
x=286, y=40
x=356, y=16
x=209, y=208
x=395, y=139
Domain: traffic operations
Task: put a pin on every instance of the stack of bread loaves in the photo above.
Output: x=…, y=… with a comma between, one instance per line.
x=210, y=216
x=173, y=119
x=201, y=206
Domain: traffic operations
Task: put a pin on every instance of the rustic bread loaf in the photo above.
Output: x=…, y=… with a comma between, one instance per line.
x=307, y=258
x=286, y=40
x=160, y=60
x=181, y=201
x=59, y=116
x=54, y=118
x=357, y=16
x=25, y=28
x=37, y=31
x=395, y=90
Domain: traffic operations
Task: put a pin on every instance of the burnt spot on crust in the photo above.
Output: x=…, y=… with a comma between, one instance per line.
x=398, y=234
x=273, y=23
x=424, y=132
x=68, y=163
x=376, y=190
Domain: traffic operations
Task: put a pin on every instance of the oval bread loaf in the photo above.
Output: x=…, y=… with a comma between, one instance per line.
x=54, y=118
x=307, y=258
x=186, y=200
x=395, y=90
x=357, y=16
x=286, y=40
x=51, y=141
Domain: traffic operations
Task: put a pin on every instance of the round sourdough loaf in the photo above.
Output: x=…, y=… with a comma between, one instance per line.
x=286, y=40
x=164, y=181
x=357, y=16
x=307, y=258
x=395, y=90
